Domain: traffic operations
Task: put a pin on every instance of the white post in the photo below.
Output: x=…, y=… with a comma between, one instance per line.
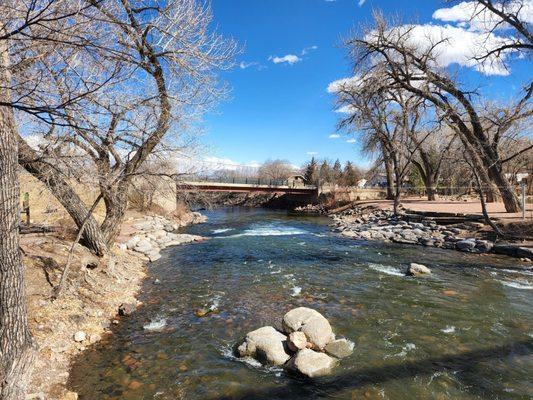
x=523, y=186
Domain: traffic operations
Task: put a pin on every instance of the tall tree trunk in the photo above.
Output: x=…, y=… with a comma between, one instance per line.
x=428, y=177
x=389, y=172
x=92, y=235
x=17, y=350
x=430, y=187
x=116, y=202
x=508, y=195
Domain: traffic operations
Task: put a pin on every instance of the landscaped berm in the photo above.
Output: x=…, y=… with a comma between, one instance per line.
x=283, y=199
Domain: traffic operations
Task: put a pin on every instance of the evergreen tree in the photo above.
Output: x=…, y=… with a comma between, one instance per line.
x=310, y=174
x=351, y=175
x=325, y=172
x=337, y=172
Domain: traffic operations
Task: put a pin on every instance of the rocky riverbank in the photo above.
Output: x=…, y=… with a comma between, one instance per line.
x=99, y=291
x=370, y=223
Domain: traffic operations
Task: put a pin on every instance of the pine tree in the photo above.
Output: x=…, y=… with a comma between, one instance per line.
x=311, y=171
x=337, y=172
x=351, y=175
x=325, y=172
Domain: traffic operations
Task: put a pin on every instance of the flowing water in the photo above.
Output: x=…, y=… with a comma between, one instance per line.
x=466, y=332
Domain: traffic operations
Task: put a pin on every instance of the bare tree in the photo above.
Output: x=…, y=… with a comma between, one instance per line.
x=275, y=169
x=166, y=57
x=407, y=65
x=432, y=154
x=390, y=118
x=17, y=349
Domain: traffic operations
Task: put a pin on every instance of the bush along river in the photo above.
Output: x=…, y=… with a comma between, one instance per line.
x=463, y=332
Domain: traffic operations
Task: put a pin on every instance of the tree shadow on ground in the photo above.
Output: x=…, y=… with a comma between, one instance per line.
x=464, y=365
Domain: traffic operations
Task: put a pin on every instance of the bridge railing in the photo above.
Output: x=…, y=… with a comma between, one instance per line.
x=248, y=181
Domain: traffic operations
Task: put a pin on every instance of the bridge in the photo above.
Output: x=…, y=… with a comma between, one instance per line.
x=244, y=185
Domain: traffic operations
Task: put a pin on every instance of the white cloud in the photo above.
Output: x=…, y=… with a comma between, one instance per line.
x=472, y=15
x=361, y=2
x=347, y=109
x=290, y=59
x=343, y=84
x=308, y=49
x=334, y=136
x=456, y=46
x=251, y=64
x=351, y=141
x=312, y=153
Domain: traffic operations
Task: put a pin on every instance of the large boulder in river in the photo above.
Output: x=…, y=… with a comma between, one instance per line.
x=316, y=328
x=418, y=270
x=312, y=363
x=267, y=345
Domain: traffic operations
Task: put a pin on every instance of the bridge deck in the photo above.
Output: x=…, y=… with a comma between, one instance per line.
x=246, y=187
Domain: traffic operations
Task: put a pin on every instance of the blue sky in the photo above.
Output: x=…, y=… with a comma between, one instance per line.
x=282, y=110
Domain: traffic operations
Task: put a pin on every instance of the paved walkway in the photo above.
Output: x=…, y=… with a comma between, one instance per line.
x=496, y=210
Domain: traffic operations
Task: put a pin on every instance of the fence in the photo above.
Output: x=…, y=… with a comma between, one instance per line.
x=248, y=181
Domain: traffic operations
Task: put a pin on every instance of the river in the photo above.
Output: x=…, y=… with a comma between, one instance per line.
x=465, y=332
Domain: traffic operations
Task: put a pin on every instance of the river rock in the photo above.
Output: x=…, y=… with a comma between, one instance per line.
x=316, y=328
x=465, y=245
x=130, y=244
x=418, y=270
x=153, y=255
x=513, y=250
x=297, y=341
x=311, y=363
x=143, y=246
x=267, y=345
x=339, y=348
x=80, y=336
x=127, y=309
x=483, y=246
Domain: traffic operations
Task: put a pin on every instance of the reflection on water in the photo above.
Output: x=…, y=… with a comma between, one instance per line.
x=463, y=333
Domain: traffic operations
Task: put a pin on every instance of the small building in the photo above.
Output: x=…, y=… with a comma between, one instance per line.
x=296, y=180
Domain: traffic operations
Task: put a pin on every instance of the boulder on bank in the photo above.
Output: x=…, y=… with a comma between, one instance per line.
x=313, y=324
x=466, y=245
x=418, y=270
x=312, y=363
x=267, y=345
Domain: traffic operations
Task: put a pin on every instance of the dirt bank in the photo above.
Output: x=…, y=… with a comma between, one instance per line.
x=88, y=305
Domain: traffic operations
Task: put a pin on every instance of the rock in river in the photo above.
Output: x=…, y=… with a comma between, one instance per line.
x=297, y=341
x=311, y=363
x=339, y=348
x=266, y=345
x=316, y=328
x=418, y=270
